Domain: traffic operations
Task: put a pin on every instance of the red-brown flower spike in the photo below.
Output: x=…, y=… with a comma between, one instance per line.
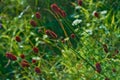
x=33, y=23
x=98, y=67
x=34, y=61
x=37, y=70
x=51, y=33
x=72, y=36
x=80, y=2
x=37, y=14
x=96, y=14
x=24, y=63
x=11, y=56
x=18, y=39
x=62, y=13
x=35, y=50
x=22, y=56
x=55, y=8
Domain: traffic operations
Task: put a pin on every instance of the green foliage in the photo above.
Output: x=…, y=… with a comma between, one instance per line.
x=83, y=39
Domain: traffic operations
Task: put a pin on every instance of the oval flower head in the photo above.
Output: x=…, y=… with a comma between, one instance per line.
x=11, y=56
x=76, y=22
x=51, y=33
x=96, y=14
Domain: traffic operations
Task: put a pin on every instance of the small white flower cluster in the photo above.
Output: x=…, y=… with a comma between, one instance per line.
x=76, y=22
x=103, y=12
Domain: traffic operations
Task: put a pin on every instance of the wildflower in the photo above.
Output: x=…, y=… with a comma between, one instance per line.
x=55, y=8
x=103, y=12
x=89, y=32
x=98, y=67
x=18, y=39
x=80, y=2
x=11, y=56
x=24, y=63
x=76, y=22
x=37, y=14
x=62, y=13
x=33, y=61
x=51, y=33
x=96, y=14
x=35, y=49
x=22, y=56
x=33, y=23
x=37, y=70
x=72, y=36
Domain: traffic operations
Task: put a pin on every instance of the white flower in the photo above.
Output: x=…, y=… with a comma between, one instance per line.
x=89, y=32
x=77, y=7
x=36, y=58
x=103, y=12
x=76, y=22
x=88, y=24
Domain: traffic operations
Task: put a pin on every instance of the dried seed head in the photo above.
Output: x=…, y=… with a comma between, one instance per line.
x=105, y=48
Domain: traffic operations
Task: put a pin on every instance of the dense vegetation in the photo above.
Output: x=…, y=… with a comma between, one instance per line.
x=59, y=40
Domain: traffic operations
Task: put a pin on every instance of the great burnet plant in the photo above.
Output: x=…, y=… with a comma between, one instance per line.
x=89, y=59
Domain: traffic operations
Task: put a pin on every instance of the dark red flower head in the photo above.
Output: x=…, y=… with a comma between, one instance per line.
x=51, y=33
x=11, y=56
x=34, y=61
x=80, y=2
x=96, y=14
x=18, y=39
x=37, y=14
x=37, y=70
x=33, y=23
x=62, y=13
x=55, y=8
x=98, y=67
x=35, y=50
x=22, y=56
x=72, y=36
x=24, y=63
